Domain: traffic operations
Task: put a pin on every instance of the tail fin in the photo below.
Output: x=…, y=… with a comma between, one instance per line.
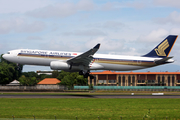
x=164, y=48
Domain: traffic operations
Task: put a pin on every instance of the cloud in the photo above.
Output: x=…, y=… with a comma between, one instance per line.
x=175, y=31
x=21, y=6
x=62, y=9
x=112, y=46
x=173, y=18
x=19, y=25
x=140, y=4
x=1, y=46
x=167, y=3
x=106, y=44
x=113, y=25
x=107, y=6
x=154, y=35
x=4, y=46
x=90, y=32
x=137, y=4
x=60, y=44
x=34, y=38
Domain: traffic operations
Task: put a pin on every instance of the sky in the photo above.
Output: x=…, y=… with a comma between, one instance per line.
x=124, y=27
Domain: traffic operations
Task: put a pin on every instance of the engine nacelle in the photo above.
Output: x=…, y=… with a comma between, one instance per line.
x=57, y=65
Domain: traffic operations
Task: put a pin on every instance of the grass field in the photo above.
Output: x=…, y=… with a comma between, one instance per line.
x=90, y=109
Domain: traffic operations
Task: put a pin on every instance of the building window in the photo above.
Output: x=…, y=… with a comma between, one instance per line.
x=163, y=79
x=129, y=81
x=112, y=81
x=133, y=81
x=141, y=81
x=111, y=77
x=151, y=81
x=102, y=81
x=119, y=80
x=178, y=81
x=102, y=77
x=172, y=80
x=123, y=82
x=159, y=79
x=168, y=80
x=94, y=80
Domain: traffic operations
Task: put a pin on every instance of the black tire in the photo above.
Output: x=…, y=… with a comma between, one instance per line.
x=86, y=75
x=81, y=72
x=91, y=77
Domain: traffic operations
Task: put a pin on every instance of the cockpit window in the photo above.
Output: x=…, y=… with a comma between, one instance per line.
x=8, y=52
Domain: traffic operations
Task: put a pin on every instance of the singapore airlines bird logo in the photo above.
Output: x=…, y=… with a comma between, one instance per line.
x=160, y=51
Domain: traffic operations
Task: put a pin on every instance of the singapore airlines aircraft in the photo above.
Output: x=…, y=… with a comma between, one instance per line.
x=84, y=62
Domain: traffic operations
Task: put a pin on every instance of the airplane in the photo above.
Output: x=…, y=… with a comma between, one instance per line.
x=84, y=62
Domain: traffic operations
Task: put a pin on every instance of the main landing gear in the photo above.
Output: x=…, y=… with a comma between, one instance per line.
x=86, y=74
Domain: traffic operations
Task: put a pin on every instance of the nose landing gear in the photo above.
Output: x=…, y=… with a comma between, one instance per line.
x=86, y=74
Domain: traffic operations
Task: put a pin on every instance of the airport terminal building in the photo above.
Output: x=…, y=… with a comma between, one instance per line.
x=109, y=78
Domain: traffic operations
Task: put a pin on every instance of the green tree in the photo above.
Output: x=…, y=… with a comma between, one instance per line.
x=9, y=71
x=80, y=80
x=63, y=74
x=69, y=79
x=28, y=81
x=30, y=74
x=43, y=76
x=55, y=74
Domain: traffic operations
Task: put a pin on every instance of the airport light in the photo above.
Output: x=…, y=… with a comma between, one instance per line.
x=13, y=117
x=34, y=117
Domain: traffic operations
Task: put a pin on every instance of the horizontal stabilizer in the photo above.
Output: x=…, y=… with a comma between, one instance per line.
x=163, y=60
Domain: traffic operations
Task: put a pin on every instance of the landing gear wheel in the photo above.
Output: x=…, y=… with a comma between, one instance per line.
x=86, y=75
x=81, y=72
x=91, y=77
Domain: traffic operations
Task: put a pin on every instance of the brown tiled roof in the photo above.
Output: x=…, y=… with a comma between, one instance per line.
x=49, y=81
x=130, y=73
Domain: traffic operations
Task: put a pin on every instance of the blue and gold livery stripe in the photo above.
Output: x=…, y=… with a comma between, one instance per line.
x=125, y=62
x=45, y=56
x=96, y=60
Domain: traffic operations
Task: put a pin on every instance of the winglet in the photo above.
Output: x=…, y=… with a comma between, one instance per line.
x=97, y=46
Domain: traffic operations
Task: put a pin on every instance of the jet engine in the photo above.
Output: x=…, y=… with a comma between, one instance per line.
x=57, y=65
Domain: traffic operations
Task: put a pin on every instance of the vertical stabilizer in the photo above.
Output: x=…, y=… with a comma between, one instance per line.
x=164, y=48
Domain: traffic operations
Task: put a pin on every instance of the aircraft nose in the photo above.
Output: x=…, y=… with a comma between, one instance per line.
x=5, y=56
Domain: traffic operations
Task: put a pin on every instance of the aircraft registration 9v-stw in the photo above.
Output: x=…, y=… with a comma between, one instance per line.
x=84, y=62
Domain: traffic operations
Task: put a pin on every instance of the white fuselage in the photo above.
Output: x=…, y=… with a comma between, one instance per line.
x=100, y=61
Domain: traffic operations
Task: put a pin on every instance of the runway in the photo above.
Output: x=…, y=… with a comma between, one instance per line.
x=89, y=96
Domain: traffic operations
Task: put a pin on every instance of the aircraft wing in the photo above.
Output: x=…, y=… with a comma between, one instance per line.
x=84, y=58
